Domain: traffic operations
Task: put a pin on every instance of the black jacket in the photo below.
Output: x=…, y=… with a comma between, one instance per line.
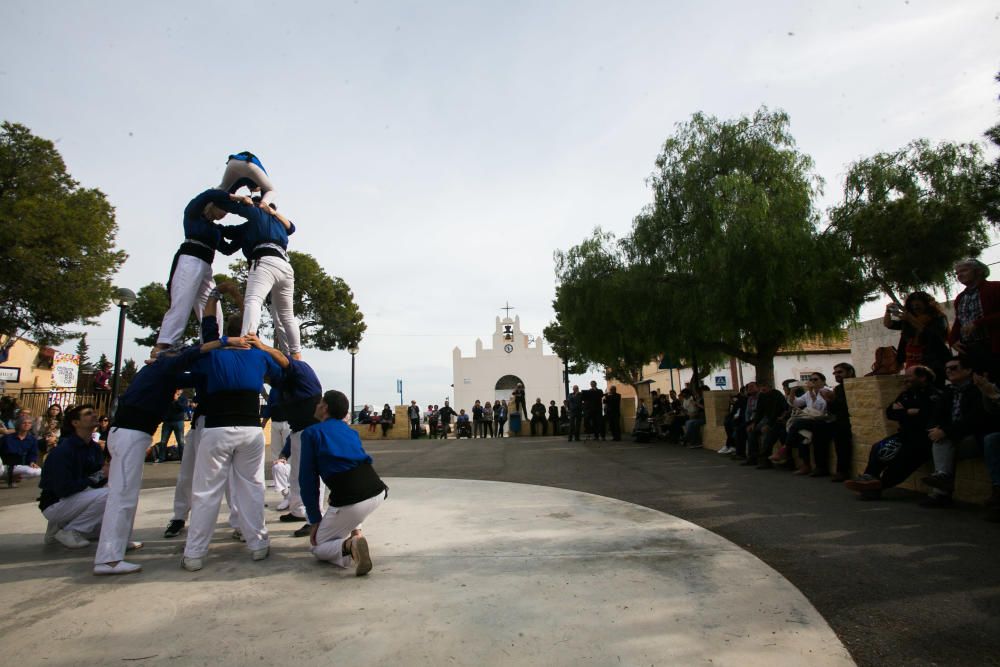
x=913, y=428
x=972, y=413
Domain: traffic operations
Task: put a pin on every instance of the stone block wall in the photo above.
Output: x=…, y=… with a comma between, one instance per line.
x=716, y=409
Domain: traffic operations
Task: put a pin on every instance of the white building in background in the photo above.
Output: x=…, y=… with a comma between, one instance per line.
x=515, y=357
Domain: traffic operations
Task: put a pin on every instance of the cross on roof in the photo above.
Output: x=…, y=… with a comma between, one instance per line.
x=508, y=308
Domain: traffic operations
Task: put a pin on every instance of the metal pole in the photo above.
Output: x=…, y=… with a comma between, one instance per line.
x=118, y=357
x=566, y=377
x=352, y=386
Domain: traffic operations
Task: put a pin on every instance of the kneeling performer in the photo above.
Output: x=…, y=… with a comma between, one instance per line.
x=332, y=451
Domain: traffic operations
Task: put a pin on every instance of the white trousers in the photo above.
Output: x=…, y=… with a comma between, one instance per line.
x=336, y=526
x=237, y=169
x=128, y=452
x=295, y=504
x=81, y=512
x=281, y=471
x=23, y=471
x=239, y=449
x=274, y=276
x=190, y=285
x=279, y=433
x=182, y=492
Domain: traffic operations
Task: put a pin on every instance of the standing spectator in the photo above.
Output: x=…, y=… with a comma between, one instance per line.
x=477, y=420
x=923, y=334
x=173, y=422
x=613, y=412
x=575, y=405
x=102, y=378
x=592, y=403
x=413, y=414
x=500, y=417
x=431, y=417
x=519, y=401
x=840, y=429
x=975, y=334
x=488, y=419
x=19, y=450
x=894, y=459
x=537, y=416
x=554, y=417
x=73, y=482
x=955, y=431
x=444, y=416
x=386, y=420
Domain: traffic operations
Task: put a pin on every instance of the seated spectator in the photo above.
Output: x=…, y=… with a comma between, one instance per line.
x=955, y=431
x=694, y=410
x=763, y=428
x=19, y=450
x=462, y=417
x=553, y=418
x=840, y=427
x=897, y=457
x=923, y=338
x=743, y=421
x=538, y=413
x=365, y=415
x=809, y=421
x=734, y=415
x=73, y=483
x=991, y=445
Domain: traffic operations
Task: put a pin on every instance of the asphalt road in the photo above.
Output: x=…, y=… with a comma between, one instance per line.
x=900, y=584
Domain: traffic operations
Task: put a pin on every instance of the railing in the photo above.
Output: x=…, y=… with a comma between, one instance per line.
x=39, y=401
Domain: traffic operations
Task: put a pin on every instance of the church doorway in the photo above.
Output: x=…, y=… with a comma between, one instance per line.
x=505, y=387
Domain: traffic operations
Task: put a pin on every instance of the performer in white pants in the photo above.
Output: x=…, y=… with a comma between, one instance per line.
x=264, y=241
x=73, y=483
x=140, y=410
x=300, y=392
x=245, y=170
x=333, y=451
x=232, y=441
x=191, y=282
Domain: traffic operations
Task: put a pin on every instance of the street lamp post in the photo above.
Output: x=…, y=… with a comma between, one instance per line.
x=123, y=298
x=353, y=349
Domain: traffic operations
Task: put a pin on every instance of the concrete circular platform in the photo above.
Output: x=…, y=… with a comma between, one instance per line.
x=466, y=573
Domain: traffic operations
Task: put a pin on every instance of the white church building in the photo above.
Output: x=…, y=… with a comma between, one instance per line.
x=515, y=357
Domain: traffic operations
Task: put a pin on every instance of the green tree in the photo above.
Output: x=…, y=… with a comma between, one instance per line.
x=732, y=233
x=59, y=256
x=562, y=344
x=909, y=215
x=83, y=351
x=129, y=370
x=328, y=316
x=991, y=182
x=103, y=360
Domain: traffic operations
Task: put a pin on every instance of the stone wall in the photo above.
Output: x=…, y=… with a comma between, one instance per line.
x=716, y=409
x=868, y=336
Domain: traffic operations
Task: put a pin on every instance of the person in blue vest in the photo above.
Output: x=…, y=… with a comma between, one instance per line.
x=332, y=451
x=300, y=392
x=191, y=280
x=232, y=443
x=263, y=239
x=140, y=411
x=244, y=169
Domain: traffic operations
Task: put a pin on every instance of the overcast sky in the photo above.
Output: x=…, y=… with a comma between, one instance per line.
x=434, y=155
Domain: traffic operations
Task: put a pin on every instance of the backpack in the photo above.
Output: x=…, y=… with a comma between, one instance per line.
x=886, y=362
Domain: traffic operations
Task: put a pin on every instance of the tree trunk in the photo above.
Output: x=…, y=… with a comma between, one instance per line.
x=765, y=368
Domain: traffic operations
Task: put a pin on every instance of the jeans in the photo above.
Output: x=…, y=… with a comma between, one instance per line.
x=692, y=430
x=177, y=428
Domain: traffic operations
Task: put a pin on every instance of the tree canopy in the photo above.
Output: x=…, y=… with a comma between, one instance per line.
x=59, y=255
x=910, y=214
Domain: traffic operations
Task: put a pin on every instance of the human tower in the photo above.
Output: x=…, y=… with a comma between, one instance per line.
x=313, y=449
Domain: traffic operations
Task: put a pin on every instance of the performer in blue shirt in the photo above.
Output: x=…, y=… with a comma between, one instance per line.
x=231, y=441
x=332, y=451
x=245, y=170
x=264, y=241
x=140, y=410
x=191, y=279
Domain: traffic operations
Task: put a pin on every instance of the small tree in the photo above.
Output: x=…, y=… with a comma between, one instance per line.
x=129, y=370
x=103, y=360
x=909, y=215
x=83, y=351
x=59, y=256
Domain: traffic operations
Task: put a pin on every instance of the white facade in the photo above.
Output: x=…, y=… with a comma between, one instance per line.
x=797, y=366
x=492, y=373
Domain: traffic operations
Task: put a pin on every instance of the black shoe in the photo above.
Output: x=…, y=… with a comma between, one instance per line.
x=303, y=531
x=936, y=502
x=291, y=518
x=174, y=528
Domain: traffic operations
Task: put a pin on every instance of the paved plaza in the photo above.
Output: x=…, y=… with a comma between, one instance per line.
x=534, y=551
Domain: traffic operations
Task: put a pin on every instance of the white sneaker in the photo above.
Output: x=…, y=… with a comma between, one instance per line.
x=71, y=539
x=260, y=554
x=726, y=450
x=50, y=532
x=122, y=567
x=282, y=506
x=133, y=546
x=192, y=564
